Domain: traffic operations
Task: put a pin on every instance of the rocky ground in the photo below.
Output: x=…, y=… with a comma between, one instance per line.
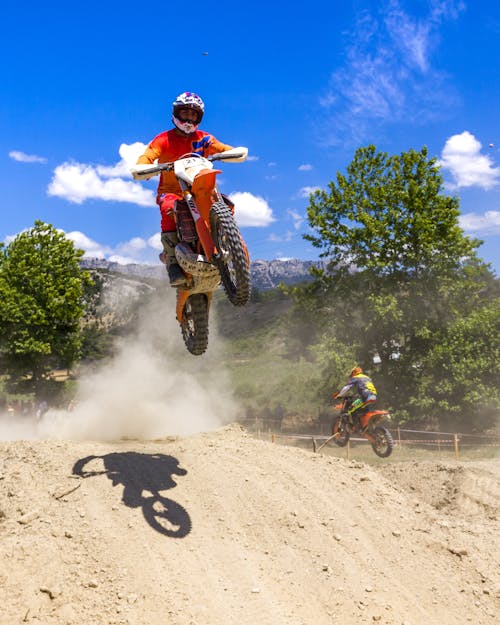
x=220, y=529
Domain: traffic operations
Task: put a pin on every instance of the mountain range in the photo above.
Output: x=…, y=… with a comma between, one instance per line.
x=265, y=274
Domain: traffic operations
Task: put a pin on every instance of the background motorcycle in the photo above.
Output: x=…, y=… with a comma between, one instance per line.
x=370, y=428
x=211, y=249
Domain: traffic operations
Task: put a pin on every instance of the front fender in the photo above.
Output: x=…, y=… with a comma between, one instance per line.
x=202, y=190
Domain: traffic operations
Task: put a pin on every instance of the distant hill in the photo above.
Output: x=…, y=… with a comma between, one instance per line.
x=265, y=274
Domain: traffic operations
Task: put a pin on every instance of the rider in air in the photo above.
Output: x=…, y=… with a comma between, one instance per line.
x=361, y=385
x=183, y=138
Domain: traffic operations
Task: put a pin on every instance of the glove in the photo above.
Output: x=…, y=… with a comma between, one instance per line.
x=335, y=395
x=143, y=171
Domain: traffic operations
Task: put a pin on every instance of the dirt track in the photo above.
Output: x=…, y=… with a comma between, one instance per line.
x=222, y=529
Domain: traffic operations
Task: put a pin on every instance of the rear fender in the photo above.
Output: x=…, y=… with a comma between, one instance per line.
x=372, y=417
x=182, y=296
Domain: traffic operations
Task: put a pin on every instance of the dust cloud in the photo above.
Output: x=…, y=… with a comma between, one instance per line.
x=151, y=389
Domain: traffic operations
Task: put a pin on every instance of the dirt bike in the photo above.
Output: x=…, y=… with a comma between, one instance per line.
x=369, y=427
x=211, y=249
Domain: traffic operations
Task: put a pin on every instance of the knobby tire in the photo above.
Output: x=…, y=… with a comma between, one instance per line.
x=344, y=435
x=384, y=445
x=194, y=326
x=235, y=268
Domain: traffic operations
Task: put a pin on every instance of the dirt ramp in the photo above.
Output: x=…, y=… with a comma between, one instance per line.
x=465, y=489
x=220, y=528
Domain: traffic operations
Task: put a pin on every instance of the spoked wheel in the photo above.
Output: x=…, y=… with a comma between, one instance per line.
x=338, y=426
x=383, y=441
x=235, y=265
x=194, y=325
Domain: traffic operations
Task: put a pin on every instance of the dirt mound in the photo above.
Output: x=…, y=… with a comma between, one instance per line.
x=220, y=528
x=464, y=489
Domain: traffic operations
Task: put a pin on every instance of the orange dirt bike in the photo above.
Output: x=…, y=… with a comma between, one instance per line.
x=211, y=249
x=369, y=427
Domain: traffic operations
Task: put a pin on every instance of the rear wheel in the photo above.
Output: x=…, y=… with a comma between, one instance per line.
x=234, y=266
x=338, y=427
x=194, y=324
x=383, y=441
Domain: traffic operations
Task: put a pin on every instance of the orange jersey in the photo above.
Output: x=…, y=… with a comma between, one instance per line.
x=170, y=145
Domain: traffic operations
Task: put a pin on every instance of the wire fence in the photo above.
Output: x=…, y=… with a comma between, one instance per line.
x=407, y=442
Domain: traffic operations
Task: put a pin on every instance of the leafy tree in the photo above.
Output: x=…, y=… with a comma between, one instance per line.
x=462, y=371
x=400, y=269
x=388, y=215
x=41, y=304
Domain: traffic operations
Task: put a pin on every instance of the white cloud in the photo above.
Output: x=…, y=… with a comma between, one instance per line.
x=484, y=225
x=388, y=75
x=127, y=260
x=462, y=157
x=130, y=154
x=297, y=218
x=305, y=167
x=281, y=238
x=77, y=182
x=21, y=157
x=251, y=210
x=137, y=250
x=155, y=242
x=306, y=191
x=90, y=247
x=133, y=247
x=252, y=158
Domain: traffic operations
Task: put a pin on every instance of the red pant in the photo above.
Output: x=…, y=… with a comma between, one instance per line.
x=166, y=203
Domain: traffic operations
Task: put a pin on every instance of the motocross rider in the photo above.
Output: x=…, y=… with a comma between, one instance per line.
x=363, y=386
x=183, y=138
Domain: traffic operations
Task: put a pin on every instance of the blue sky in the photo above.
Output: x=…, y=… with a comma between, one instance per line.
x=86, y=85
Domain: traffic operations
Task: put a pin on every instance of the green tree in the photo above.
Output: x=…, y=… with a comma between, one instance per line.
x=41, y=304
x=462, y=371
x=400, y=269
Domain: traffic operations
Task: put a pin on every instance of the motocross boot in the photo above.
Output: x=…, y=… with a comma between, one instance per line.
x=175, y=274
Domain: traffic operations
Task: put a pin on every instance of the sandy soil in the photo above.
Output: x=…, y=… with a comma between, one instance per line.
x=222, y=529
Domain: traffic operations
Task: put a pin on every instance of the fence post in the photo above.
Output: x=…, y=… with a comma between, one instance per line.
x=455, y=437
x=399, y=436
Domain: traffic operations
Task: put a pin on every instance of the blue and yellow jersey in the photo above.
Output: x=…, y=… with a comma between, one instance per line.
x=363, y=386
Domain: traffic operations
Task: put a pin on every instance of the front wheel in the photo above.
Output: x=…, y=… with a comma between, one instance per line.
x=234, y=263
x=383, y=441
x=194, y=324
x=338, y=427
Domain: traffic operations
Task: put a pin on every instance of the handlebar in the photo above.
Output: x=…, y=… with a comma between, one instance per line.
x=146, y=171
x=143, y=171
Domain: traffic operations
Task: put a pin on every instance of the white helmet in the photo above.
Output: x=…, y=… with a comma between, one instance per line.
x=187, y=100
